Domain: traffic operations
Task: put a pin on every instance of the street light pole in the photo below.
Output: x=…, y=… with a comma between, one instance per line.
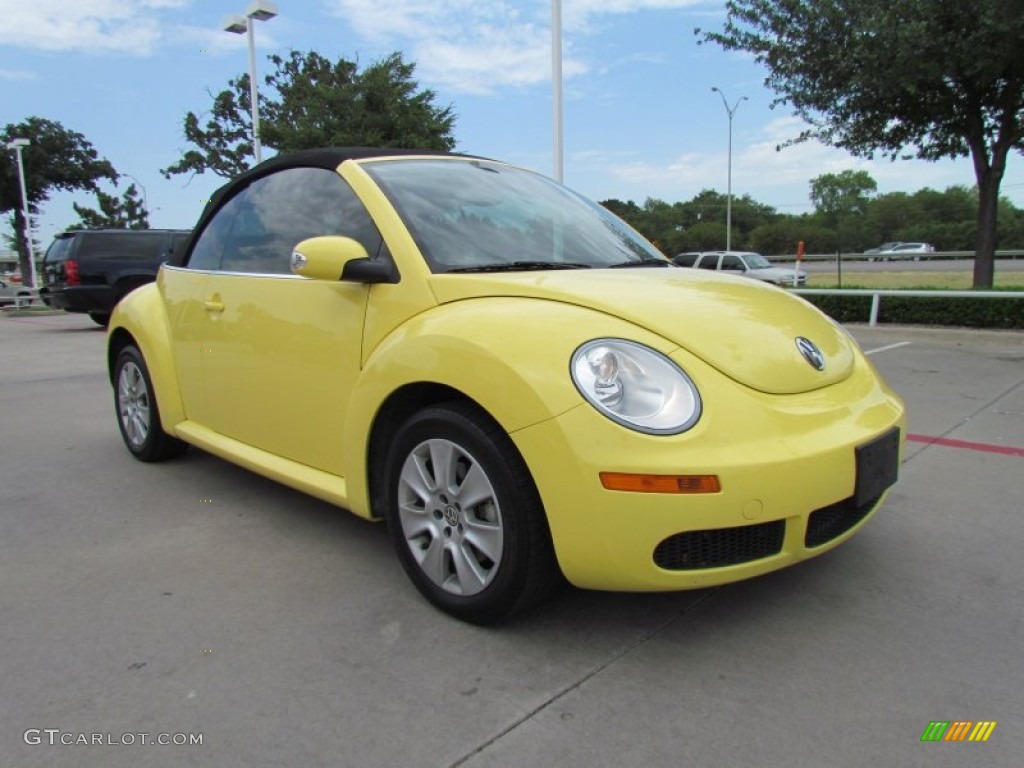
x=556, y=84
x=259, y=10
x=17, y=145
x=728, y=201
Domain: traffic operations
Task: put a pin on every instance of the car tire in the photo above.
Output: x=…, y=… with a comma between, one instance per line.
x=138, y=416
x=465, y=517
x=100, y=318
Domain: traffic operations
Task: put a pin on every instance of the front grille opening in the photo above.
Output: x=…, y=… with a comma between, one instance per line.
x=832, y=521
x=695, y=550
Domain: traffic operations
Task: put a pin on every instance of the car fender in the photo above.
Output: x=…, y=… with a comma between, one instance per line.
x=142, y=316
x=511, y=356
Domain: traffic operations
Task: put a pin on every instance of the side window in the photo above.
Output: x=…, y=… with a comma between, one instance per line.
x=273, y=214
x=732, y=263
x=121, y=246
x=209, y=248
x=708, y=261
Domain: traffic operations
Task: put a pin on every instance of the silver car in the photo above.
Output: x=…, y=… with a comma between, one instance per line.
x=906, y=251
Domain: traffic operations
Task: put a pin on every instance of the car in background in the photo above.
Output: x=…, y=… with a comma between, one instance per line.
x=744, y=263
x=509, y=375
x=906, y=251
x=882, y=248
x=90, y=270
x=15, y=293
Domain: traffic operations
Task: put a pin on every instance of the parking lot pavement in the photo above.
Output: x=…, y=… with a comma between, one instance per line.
x=195, y=598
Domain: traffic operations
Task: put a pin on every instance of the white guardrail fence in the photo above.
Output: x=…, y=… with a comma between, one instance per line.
x=876, y=295
x=23, y=302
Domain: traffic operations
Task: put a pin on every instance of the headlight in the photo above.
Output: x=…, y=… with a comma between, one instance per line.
x=636, y=386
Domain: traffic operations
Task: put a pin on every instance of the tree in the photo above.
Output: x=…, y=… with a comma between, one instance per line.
x=316, y=103
x=932, y=77
x=56, y=158
x=126, y=212
x=838, y=194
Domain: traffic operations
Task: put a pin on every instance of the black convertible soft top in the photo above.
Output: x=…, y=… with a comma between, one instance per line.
x=326, y=157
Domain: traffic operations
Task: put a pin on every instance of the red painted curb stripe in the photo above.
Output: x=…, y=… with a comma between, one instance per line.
x=1005, y=450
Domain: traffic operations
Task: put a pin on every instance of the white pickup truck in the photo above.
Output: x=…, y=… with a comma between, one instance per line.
x=744, y=263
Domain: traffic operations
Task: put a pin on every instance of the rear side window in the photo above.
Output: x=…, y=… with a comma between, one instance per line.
x=58, y=250
x=121, y=246
x=710, y=261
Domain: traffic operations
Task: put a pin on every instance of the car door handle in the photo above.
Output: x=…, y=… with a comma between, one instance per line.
x=213, y=304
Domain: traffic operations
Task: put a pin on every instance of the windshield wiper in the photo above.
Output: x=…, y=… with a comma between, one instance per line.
x=521, y=266
x=641, y=263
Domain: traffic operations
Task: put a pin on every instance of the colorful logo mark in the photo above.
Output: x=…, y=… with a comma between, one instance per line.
x=959, y=730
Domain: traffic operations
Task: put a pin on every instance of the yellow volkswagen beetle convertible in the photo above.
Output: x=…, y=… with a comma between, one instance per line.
x=510, y=376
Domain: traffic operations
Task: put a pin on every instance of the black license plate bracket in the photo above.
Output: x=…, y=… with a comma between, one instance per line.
x=878, y=464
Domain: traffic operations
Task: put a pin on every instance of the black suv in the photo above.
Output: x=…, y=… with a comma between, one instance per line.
x=90, y=270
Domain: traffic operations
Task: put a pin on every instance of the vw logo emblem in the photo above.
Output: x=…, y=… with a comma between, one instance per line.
x=811, y=353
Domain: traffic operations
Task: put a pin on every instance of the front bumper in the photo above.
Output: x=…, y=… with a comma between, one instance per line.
x=787, y=467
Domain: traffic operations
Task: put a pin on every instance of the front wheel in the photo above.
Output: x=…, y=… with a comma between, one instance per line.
x=100, y=318
x=465, y=517
x=137, y=414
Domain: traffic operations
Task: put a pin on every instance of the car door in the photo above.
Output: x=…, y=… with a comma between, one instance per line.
x=278, y=353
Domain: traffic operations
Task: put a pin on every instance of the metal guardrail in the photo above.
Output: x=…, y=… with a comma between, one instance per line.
x=23, y=302
x=877, y=293
x=1011, y=254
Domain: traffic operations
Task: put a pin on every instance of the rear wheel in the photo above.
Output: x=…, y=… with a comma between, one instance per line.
x=464, y=515
x=137, y=414
x=100, y=318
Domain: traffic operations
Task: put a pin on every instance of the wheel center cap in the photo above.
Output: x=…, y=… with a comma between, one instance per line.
x=451, y=515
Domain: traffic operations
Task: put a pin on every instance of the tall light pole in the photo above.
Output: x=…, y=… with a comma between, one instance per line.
x=258, y=10
x=556, y=84
x=728, y=201
x=17, y=145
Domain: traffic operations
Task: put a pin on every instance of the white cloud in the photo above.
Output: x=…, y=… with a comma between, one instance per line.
x=479, y=46
x=16, y=74
x=97, y=26
x=779, y=178
x=215, y=41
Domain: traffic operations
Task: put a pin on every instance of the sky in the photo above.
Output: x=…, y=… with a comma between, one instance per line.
x=640, y=118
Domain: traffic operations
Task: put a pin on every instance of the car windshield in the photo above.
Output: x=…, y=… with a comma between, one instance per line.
x=476, y=215
x=756, y=261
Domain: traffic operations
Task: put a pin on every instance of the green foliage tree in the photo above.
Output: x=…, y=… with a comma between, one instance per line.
x=932, y=77
x=125, y=212
x=781, y=237
x=842, y=194
x=314, y=102
x=56, y=159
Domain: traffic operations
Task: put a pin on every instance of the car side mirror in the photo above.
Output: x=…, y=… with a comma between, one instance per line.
x=335, y=258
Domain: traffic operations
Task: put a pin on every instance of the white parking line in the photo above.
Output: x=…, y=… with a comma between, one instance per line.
x=888, y=347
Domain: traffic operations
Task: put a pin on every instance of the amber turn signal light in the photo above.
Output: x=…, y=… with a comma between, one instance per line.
x=625, y=481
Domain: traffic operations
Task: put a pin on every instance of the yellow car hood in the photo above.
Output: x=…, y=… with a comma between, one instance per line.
x=744, y=328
